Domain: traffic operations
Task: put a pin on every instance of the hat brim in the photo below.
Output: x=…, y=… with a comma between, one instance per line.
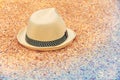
x=21, y=39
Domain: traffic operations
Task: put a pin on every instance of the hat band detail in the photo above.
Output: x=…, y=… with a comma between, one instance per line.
x=46, y=43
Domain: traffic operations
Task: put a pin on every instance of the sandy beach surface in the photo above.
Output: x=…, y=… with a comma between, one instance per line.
x=93, y=55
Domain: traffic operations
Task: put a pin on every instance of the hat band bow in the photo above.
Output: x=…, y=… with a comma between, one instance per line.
x=47, y=43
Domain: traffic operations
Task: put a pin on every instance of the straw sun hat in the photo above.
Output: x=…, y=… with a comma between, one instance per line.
x=46, y=30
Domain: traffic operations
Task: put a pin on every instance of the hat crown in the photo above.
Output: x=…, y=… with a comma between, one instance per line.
x=46, y=25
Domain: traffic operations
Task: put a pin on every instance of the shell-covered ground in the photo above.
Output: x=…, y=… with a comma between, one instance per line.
x=93, y=55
